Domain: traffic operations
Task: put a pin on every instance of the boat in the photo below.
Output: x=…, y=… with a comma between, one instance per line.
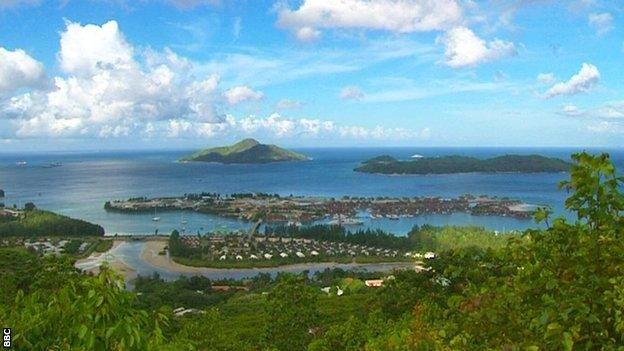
x=417, y=156
x=393, y=217
x=155, y=218
x=346, y=221
x=21, y=163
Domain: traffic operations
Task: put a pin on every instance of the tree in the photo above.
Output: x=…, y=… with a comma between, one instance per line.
x=293, y=316
x=564, y=287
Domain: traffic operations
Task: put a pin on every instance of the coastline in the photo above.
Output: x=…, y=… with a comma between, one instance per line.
x=93, y=262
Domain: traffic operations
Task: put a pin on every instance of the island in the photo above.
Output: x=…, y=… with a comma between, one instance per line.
x=339, y=211
x=245, y=151
x=462, y=164
x=1, y=193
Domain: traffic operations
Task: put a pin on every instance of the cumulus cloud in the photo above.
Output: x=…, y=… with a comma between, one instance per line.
x=546, y=78
x=108, y=91
x=351, y=93
x=284, y=104
x=19, y=70
x=86, y=50
x=464, y=48
x=236, y=95
x=109, y=88
x=581, y=82
x=601, y=22
x=403, y=16
x=276, y=125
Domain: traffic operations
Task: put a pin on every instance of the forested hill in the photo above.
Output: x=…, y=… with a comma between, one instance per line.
x=35, y=222
x=462, y=164
x=245, y=151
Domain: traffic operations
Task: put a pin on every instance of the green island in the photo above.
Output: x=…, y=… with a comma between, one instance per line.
x=462, y=164
x=560, y=287
x=245, y=151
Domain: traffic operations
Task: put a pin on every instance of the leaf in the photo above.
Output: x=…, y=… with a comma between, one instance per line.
x=568, y=343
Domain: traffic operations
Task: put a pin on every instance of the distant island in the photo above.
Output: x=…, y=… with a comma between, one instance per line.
x=245, y=151
x=462, y=164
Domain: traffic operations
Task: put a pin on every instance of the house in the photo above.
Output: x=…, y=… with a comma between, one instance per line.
x=283, y=255
x=430, y=255
x=268, y=256
x=374, y=283
x=314, y=253
x=300, y=254
x=239, y=257
x=222, y=258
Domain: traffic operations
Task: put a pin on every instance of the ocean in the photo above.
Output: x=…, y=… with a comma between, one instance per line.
x=79, y=184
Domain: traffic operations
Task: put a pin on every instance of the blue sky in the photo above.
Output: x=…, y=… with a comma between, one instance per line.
x=187, y=73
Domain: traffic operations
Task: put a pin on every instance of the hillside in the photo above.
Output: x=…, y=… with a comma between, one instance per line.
x=245, y=151
x=44, y=223
x=461, y=164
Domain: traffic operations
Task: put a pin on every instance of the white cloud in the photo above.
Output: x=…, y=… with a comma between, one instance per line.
x=571, y=110
x=86, y=50
x=601, y=22
x=404, y=16
x=276, y=125
x=581, y=82
x=606, y=127
x=351, y=93
x=464, y=48
x=236, y=95
x=19, y=70
x=307, y=34
x=108, y=92
x=284, y=104
x=546, y=78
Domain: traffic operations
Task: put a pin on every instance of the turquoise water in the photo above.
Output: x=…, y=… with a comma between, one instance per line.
x=85, y=181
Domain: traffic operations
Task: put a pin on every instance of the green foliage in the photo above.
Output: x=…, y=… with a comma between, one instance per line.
x=291, y=305
x=44, y=223
x=462, y=164
x=85, y=313
x=557, y=289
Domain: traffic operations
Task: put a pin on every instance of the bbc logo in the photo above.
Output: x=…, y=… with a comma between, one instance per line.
x=6, y=338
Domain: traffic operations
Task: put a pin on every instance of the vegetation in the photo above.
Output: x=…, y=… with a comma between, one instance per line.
x=245, y=151
x=559, y=288
x=420, y=238
x=35, y=222
x=461, y=164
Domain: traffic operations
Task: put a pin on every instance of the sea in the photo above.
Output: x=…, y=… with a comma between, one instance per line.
x=77, y=184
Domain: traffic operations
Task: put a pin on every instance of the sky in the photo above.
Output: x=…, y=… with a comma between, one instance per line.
x=172, y=74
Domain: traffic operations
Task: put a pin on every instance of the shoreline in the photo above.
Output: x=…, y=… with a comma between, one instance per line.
x=92, y=263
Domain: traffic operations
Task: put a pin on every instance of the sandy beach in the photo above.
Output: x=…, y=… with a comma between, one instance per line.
x=92, y=263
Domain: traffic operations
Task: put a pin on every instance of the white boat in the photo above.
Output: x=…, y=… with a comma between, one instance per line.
x=155, y=218
x=346, y=221
x=21, y=163
x=417, y=156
